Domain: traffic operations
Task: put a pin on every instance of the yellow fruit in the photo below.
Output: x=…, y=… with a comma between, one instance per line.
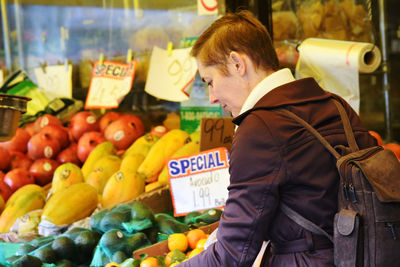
x=185, y=150
x=97, y=153
x=149, y=262
x=102, y=171
x=123, y=185
x=201, y=243
x=27, y=198
x=71, y=204
x=64, y=176
x=152, y=186
x=142, y=145
x=168, y=258
x=29, y=222
x=195, y=136
x=172, y=121
x=160, y=152
x=174, y=264
x=132, y=162
x=177, y=241
x=194, y=252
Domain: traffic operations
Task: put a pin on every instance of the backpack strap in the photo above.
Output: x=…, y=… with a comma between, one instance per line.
x=290, y=114
x=303, y=222
x=347, y=126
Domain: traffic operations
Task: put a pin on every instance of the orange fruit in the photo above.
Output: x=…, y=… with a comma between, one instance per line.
x=149, y=262
x=177, y=241
x=194, y=252
x=168, y=258
x=201, y=243
x=112, y=264
x=193, y=236
x=377, y=137
x=394, y=147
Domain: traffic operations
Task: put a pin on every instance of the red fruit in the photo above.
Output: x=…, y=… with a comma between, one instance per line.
x=5, y=190
x=17, y=178
x=45, y=120
x=30, y=128
x=87, y=143
x=394, y=147
x=377, y=137
x=42, y=145
x=69, y=155
x=82, y=122
x=18, y=142
x=20, y=160
x=159, y=130
x=42, y=170
x=5, y=159
x=123, y=132
x=136, y=121
x=58, y=133
x=107, y=119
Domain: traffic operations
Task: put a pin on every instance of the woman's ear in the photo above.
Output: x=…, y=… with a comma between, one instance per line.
x=238, y=62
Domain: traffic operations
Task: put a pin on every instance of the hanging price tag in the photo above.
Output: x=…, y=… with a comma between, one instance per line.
x=207, y=7
x=55, y=80
x=170, y=74
x=216, y=132
x=200, y=181
x=111, y=82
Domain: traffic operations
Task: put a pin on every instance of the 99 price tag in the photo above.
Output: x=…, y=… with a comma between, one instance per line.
x=111, y=81
x=200, y=181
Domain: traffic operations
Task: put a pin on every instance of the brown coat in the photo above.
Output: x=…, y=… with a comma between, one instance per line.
x=275, y=159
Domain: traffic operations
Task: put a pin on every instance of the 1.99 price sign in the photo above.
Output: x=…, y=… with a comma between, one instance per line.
x=200, y=181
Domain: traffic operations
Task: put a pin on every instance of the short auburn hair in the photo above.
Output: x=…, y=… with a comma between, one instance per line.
x=240, y=32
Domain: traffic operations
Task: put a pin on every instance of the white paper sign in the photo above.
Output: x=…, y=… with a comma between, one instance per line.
x=1, y=77
x=169, y=75
x=55, y=80
x=111, y=82
x=200, y=181
x=207, y=7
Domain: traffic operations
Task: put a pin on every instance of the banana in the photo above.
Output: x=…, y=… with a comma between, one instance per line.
x=142, y=145
x=186, y=150
x=102, y=171
x=160, y=152
x=98, y=152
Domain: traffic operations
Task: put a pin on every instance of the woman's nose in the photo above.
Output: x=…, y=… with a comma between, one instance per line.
x=212, y=98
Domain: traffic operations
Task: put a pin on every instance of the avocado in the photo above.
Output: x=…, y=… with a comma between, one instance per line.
x=130, y=263
x=86, y=241
x=114, y=220
x=169, y=225
x=25, y=249
x=134, y=242
x=119, y=257
x=28, y=261
x=189, y=218
x=41, y=241
x=124, y=208
x=141, y=211
x=64, y=247
x=96, y=219
x=75, y=231
x=209, y=216
x=112, y=241
x=45, y=254
x=64, y=263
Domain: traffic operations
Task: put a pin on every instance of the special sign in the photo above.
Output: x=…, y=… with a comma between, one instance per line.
x=111, y=81
x=200, y=181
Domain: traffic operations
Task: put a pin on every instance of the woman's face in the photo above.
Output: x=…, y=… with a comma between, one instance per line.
x=230, y=91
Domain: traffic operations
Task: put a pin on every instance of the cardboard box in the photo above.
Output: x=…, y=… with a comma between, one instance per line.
x=161, y=248
x=159, y=200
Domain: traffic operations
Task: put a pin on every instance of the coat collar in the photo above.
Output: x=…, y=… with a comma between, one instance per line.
x=296, y=92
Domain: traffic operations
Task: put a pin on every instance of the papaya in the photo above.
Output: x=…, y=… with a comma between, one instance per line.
x=97, y=153
x=71, y=204
x=64, y=176
x=25, y=199
x=102, y=171
x=141, y=145
x=160, y=152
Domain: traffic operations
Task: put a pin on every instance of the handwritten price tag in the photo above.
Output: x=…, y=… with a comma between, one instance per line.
x=207, y=7
x=110, y=83
x=170, y=75
x=55, y=80
x=216, y=132
x=200, y=181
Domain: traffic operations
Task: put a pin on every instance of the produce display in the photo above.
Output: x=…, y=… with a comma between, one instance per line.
x=68, y=189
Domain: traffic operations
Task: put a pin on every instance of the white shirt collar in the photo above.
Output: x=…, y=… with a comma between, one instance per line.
x=270, y=82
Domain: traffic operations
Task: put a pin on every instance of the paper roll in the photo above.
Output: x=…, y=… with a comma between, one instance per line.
x=366, y=57
x=336, y=65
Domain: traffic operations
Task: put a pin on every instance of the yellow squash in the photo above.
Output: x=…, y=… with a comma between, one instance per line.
x=27, y=198
x=71, y=204
x=160, y=152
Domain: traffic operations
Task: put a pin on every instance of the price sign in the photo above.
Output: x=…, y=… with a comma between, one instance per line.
x=55, y=80
x=200, y=181
x=170, y=74
x=207, y=7
x=216, y=132
x=111, y=82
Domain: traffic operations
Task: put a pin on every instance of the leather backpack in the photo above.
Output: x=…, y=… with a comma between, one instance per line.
x=367, y=224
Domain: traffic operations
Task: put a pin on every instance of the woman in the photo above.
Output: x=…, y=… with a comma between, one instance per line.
x=273, y=158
